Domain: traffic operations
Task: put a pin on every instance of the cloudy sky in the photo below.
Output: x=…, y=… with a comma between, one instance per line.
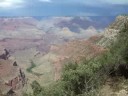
x=63, y=7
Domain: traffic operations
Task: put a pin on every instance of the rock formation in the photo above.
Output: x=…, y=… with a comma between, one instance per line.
x=110, y=33
x=12, y=78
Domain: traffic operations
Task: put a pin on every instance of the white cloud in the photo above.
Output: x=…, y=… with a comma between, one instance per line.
x=11, y=3
x=45, y=0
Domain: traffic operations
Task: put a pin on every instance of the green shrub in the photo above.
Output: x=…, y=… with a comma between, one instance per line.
x=33, y=65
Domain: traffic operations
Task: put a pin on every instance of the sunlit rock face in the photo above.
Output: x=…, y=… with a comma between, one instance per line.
x=12, y=78
x=110, y=33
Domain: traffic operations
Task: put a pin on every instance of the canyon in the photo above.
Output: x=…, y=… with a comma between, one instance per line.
x=38, y=49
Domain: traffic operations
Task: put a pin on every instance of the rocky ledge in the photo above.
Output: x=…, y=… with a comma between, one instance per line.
x=12, y=78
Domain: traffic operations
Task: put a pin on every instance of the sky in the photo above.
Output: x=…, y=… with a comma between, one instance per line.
x=63, y=7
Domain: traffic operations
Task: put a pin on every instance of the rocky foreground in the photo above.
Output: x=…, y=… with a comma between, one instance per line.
x=12, y=78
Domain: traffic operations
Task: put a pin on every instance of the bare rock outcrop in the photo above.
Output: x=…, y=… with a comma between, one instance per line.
x=110, y=33
x=12, y=78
